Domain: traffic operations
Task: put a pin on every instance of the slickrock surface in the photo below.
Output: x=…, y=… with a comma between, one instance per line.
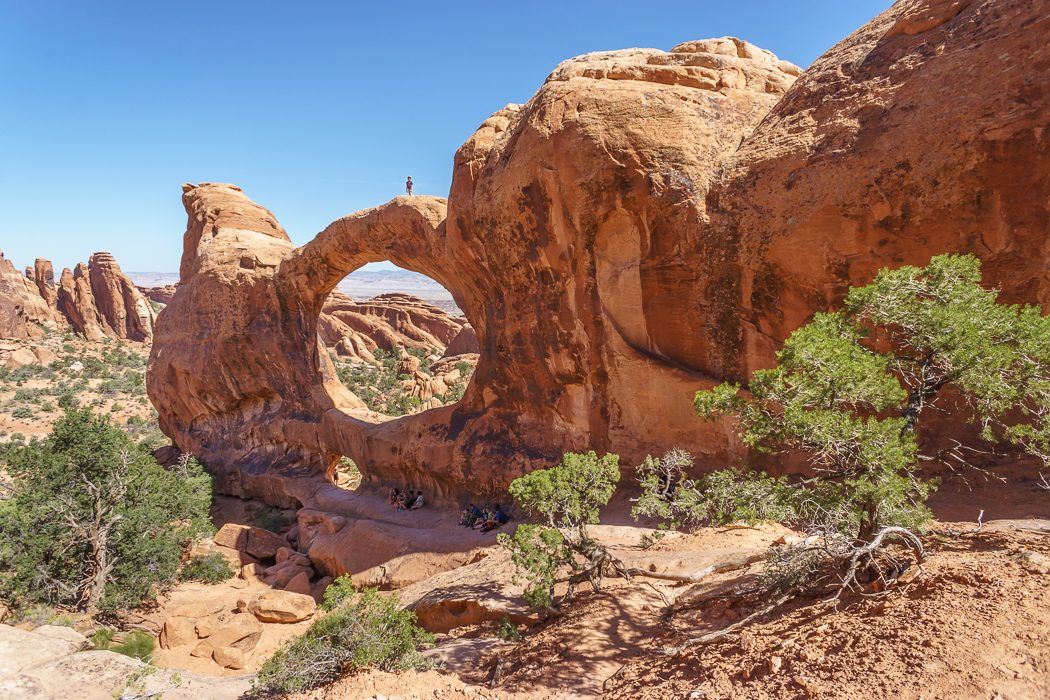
x=50, y=663
x=649, y=223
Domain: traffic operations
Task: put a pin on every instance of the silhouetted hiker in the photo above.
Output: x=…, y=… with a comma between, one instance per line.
x=408, y=186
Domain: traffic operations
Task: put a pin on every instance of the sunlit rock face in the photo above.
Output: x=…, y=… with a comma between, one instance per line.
x=648, y=224
x=97, y=299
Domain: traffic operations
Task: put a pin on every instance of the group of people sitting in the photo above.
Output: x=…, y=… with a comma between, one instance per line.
x=486, y=520
x=406, y=500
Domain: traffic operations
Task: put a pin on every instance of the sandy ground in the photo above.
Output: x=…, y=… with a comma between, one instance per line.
x=29, y=398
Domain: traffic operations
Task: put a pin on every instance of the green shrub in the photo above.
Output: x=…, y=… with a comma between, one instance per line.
x=368, y=630
x=209, y=568
x=720, y=497
x=102, y=639
x=95, y=523
x=567, y=498
x=338, y=592
x=22, y=412
x=507, y=630
x=37, y=615
x=137, y=644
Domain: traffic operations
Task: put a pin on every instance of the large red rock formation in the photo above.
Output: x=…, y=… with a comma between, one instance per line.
x=100, y=301
x=23, y=312
x=44, y=276
x=97, y=299
x=649, y=223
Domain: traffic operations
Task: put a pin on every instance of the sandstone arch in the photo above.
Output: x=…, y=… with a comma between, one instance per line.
x=649, y=223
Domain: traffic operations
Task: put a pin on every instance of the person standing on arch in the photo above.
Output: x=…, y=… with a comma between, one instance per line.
x=408, y=186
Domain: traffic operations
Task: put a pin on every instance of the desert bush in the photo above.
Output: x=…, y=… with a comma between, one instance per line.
x=22, y=412
x=719, y=497
x=36, y=615
x=95, y=523
x=136, y=644
x=366, y=630
x=102, y=638
x=507, y=630
x=338, y=592
x=566, y=498
x=209, y=568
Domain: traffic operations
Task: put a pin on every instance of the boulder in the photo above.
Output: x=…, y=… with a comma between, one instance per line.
x=319, y=587
x=264, y=544
x=44, y=356
x=176, y=632
x=233, y=536
x=228, y=657
x=67, y=634
x=282, y=606
x=203, y=650
x=300, y=583
x=20, y=358
x=254, y=541
x=235, y=630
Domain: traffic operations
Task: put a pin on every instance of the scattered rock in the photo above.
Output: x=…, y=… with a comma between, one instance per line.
x=282, y=606
x=300, y=583
x=228, y=657
x=177, y=631
x=203, y=650
x=66, y=634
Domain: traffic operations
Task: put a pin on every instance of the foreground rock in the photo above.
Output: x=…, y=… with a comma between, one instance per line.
x=282, y=606
x=43, y=665
x=648, y=224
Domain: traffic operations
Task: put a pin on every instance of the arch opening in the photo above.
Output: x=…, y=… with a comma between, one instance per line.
x=399, y=344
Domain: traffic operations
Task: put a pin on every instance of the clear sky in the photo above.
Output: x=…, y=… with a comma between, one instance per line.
x=316, y=109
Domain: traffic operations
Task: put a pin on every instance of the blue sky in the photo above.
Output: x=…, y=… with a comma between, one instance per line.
x=316, y=109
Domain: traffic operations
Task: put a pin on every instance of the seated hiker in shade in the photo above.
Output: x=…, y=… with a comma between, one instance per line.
x=402, y=501
x=469, y=515
x=495, y=519
x=394, y=493
x=417, y=502
x=483, y=518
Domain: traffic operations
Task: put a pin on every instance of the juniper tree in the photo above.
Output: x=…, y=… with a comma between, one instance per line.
x=94, y=522
x=566, y=499
x=851, y=388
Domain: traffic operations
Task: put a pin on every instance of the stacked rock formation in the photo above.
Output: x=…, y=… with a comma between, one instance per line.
x=24, y=312
x=97, y=299
x=648, y=224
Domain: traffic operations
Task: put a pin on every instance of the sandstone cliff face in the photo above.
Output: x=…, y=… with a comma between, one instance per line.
x=649, y=223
